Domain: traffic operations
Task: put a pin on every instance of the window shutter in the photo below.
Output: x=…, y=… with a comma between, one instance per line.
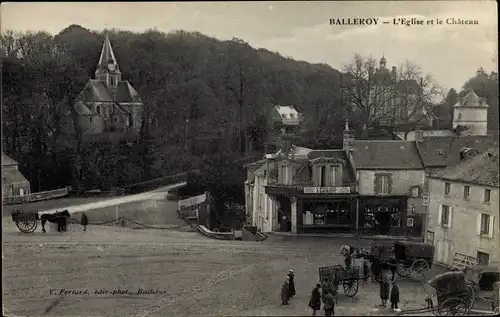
x=330, y=173
x=389, y=187
x=440, y=214
x=377, y=186
x=478, y=229
x=492, y=226
x=338, y=176
x=450, y=218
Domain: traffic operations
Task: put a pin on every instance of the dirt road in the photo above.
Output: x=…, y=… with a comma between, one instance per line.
x=110, y=271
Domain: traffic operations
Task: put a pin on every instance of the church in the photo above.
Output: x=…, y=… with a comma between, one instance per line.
x=107, y=104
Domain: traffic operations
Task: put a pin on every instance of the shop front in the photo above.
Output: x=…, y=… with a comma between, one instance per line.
x=323, y=214
x=383, y=216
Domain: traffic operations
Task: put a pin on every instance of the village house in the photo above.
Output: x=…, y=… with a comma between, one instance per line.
x=391, y=179
x=13, y=182
x=107, y=104
x=355, y=189
x=464, y=211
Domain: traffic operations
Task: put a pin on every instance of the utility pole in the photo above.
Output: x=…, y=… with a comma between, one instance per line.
x=186, y=136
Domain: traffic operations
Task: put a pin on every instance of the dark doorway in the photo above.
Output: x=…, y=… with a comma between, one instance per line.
x=284, y=214
x=382, y=222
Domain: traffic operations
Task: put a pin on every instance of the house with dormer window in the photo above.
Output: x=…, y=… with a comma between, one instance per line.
x=366, y=187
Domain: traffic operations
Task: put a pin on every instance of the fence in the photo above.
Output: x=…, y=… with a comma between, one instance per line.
x=154, y=183
x=49, y=194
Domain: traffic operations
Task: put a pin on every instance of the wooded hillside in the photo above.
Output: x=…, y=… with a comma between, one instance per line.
x=224, y=89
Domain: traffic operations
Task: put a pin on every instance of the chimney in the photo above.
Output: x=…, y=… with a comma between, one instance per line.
x=419, y=135
x=348, y=137
x=286, y=140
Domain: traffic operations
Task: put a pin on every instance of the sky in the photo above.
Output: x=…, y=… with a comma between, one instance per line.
x=300, y=29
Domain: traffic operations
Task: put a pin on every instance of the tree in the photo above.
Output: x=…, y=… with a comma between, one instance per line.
x=369, y=92
x=485, y=85
x=414, y=97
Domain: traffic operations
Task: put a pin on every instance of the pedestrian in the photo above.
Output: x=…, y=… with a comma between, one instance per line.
x=394, y=297
x=329, y=303
x=384, y=291
x=315, y=301
x=285, y=291
x=325, y=287
x=84, y=221
x=366, y=270
x=291, y=283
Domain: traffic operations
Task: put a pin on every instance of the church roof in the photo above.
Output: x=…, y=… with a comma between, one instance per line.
x=126, y=93
x=83, y=109
x=471, y=100
x=98, y=91
x=107, y=57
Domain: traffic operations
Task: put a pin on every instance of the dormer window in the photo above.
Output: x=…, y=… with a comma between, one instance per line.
x=327, y=175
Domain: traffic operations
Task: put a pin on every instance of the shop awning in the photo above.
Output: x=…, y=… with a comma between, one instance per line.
x=192, y=201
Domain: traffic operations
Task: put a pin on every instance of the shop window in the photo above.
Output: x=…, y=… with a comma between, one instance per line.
x=308, y=212
x=338, y=213
x=367, y=219
x=396, y=220
x=319, y=213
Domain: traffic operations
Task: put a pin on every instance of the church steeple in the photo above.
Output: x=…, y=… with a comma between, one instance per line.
x=383, y=61
x=107, y=67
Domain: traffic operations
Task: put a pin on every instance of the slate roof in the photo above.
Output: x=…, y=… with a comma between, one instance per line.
x=445, y=151
x=314, y=154
x=386, y=154
x=481, y=169
x=83, y=109
x=13, y=176
x=7, y=160
x=126, y=93
x=471, y=100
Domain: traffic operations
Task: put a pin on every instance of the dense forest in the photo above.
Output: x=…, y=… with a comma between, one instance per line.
x=206, y=106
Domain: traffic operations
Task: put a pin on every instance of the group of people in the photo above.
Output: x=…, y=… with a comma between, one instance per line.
x=325, y=294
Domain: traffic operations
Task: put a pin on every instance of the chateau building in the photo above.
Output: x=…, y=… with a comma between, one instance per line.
x=106, y=103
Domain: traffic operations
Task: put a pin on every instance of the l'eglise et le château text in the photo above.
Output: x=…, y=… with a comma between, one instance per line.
x=460, y=21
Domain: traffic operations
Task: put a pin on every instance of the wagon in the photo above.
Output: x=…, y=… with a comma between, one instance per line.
x=26, y=221
x=481, y=280
x=409, y=258
x=348, y=277
x=413, y=259
x=452, y=296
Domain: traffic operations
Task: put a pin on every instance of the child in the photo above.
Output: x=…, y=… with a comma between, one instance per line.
x=84, y=221
x=395, y=297
x=329, y=304
x=384, y=291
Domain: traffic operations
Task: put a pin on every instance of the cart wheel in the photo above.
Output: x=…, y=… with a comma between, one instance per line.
x=418, y=269
x=453, y=307
x=351, y=287
x=403, y=270
x=27, y=225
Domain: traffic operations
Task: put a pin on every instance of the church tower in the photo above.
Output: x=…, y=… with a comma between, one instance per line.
x=107, y=67
x=471, y=113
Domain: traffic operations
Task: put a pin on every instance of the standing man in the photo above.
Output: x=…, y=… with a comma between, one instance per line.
x=315, y=301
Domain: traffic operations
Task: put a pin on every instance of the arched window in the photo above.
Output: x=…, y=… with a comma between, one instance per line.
x=459, y=116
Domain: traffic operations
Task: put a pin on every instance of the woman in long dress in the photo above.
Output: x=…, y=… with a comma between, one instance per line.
x=285, y=291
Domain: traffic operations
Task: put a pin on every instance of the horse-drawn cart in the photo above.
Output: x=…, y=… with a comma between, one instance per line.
x=452, y=296
x=337, y=274
x=481, y=279
x=26, y=221
x=407, y=258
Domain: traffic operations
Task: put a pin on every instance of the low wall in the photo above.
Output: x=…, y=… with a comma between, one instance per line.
x=45, y=195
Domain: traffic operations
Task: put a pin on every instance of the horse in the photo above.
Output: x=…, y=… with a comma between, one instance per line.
x=59, y=217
